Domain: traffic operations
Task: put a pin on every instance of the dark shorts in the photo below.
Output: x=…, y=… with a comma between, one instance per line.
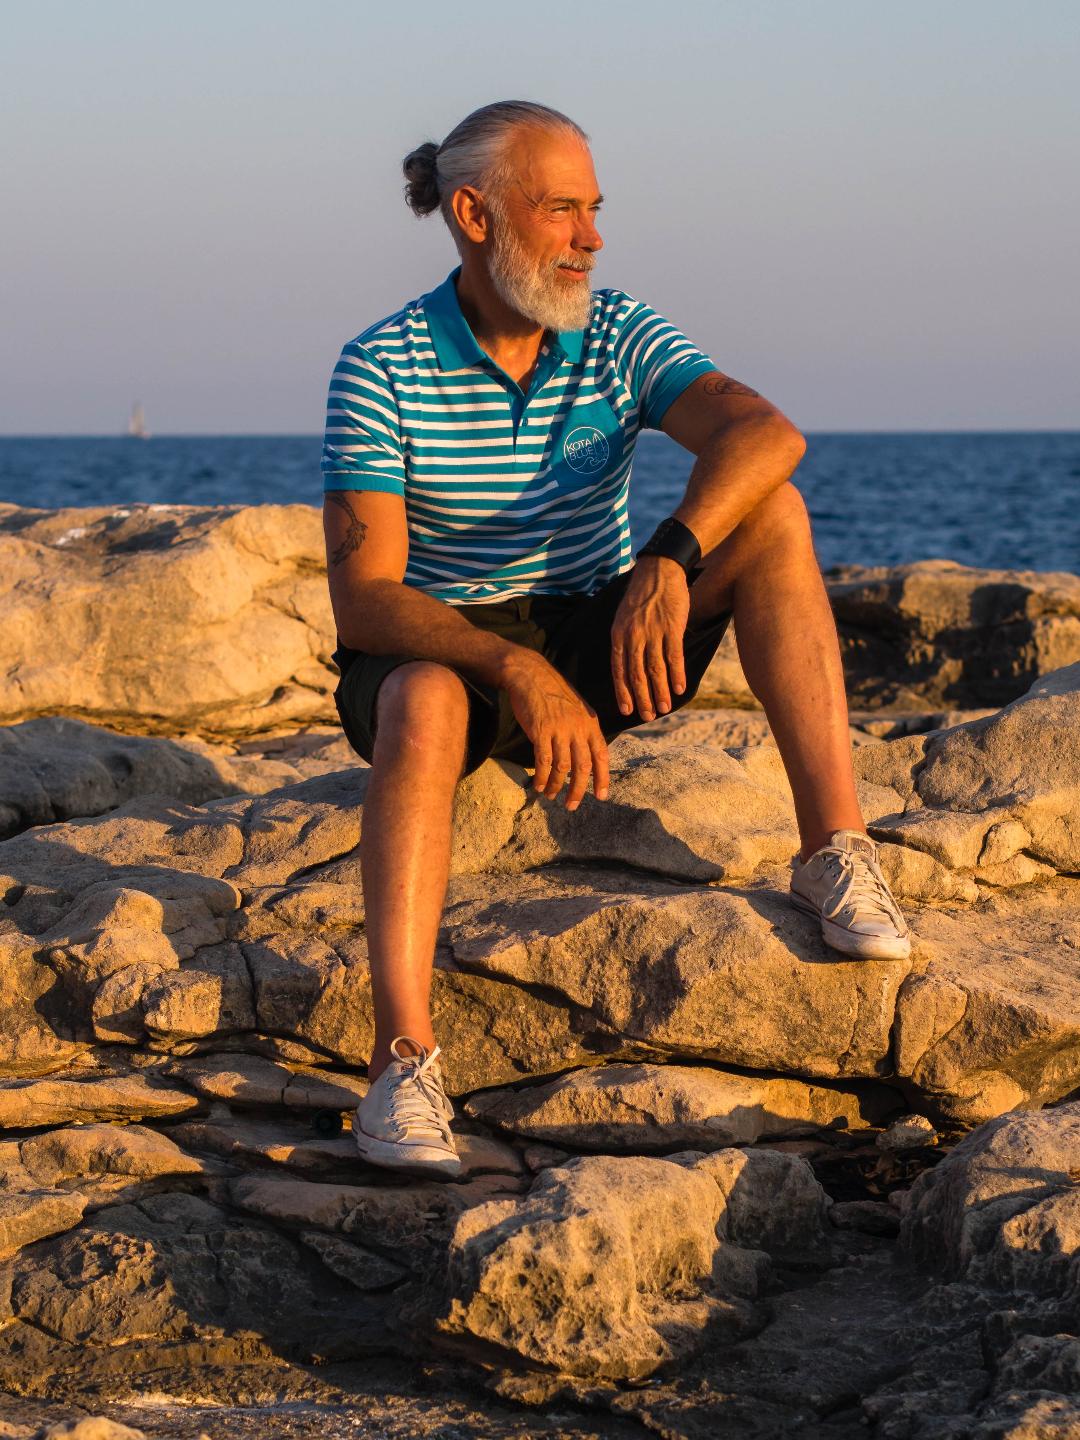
x=572, y=631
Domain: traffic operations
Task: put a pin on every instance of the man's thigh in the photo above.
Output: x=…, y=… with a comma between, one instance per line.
x=493, y=728
x=577, y=641
x=357, y=697
x=573, y=632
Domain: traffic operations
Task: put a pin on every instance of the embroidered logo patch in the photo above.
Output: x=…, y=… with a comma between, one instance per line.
x=586, y=449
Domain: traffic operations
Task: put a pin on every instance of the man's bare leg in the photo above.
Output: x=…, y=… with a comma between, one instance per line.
x=423, y=713
x=767, y=574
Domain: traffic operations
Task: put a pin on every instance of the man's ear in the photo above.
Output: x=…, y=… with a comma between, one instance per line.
x=471, y=213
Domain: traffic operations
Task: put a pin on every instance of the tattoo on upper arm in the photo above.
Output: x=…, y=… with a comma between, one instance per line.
x=354, y=535
x=726, y=385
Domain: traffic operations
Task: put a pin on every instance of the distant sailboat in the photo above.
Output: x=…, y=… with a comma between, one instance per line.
x=137, y=424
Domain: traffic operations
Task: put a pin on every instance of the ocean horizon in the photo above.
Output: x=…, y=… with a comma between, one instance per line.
x=999, y=499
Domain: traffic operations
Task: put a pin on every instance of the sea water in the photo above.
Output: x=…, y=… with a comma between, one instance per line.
x=1002, y=500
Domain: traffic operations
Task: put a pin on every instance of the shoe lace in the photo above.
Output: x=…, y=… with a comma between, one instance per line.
x=417, y=1103
x=866, y=889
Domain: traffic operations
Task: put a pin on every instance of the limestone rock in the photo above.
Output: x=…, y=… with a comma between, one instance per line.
x=772, y=1200
x=80, y=1153
x=238, y=924
x=1042, y=1362
x=606, y=1269
x=289, y=832
x=487, y=1155
x=648, y=1108
x=28, y=1215
x=1020, y=768
x=175, y=1278
x=994, y=801
x=726, y=728
x=295, y=1145
x=91, y=1427
x=611, y=1268
x=914, y=875
x=254, y=1080
x=271, y=759
x=60, y=1100
x=983, y=1018
x=166, y=618
x=724, y=681
x=893, y=765
x=364, y=1269
x=875, y=725
x=700, y=725
x=736, y=977
x=945, y=634
x=209, y=997
x=411, y=1222
x=33, y=1038
x=989, y=1018
x=1003, y=1209
x=58, y=768
x=1030, y=1417
x=543, y=1157
x=132, y=924
x=871, y=1217
x=321, y=994
x=689, y=811
x=909, y=1132
x=289, y=1143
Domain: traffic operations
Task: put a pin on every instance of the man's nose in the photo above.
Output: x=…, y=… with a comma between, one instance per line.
x=588, y=236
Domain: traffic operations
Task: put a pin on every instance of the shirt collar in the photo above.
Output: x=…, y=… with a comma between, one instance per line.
x=456, y=347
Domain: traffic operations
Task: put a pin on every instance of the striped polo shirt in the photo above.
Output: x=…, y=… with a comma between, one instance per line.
x=507, y=492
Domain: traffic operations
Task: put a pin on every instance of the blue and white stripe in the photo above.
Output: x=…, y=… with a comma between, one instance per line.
x=505, y=493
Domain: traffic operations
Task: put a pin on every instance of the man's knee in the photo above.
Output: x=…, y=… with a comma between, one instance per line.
x=422, y=706
x=776, y=532
x=781, y=516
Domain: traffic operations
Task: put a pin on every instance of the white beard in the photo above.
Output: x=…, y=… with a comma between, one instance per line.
x=535, y=289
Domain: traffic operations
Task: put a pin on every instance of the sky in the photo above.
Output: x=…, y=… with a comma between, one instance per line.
x=868, y=211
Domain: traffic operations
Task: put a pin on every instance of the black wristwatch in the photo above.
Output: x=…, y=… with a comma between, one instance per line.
x=673, y=540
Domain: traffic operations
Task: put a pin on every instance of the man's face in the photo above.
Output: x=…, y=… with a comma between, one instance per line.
x=544, y=233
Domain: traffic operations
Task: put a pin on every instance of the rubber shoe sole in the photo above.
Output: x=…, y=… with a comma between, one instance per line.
x=415, y=1159
x=849, y=942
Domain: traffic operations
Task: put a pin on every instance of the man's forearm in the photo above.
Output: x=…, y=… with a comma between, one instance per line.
x=734, y=472
x=387, y=617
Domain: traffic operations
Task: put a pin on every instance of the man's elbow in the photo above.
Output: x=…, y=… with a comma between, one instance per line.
x=789, y=440
x=777, y=437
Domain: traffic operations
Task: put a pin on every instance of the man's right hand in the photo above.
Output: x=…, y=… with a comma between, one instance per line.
x=566, y=738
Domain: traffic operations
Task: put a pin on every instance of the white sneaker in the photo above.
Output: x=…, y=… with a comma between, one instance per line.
x=843, y=886
x=403, y=1122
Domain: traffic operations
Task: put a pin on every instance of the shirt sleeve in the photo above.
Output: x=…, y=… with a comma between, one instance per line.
x=362, y=444
x=657, y=362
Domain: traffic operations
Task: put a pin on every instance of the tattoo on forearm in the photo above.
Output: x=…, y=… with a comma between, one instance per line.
x=726, y=385
x=354, y=536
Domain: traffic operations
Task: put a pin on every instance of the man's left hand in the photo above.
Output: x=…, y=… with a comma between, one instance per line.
x=647, y=637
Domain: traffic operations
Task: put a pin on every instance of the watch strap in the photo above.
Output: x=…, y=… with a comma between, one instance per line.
x=674, y=541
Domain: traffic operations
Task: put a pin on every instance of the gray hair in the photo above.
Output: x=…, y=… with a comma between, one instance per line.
x=474, y=153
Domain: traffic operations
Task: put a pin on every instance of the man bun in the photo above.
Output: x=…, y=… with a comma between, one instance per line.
x=421, y=173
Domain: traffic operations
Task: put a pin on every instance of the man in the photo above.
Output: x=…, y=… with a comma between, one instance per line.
x=478, y=449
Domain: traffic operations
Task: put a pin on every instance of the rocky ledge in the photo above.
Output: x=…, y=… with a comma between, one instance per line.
x=215, y=621
x=717, y=1179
